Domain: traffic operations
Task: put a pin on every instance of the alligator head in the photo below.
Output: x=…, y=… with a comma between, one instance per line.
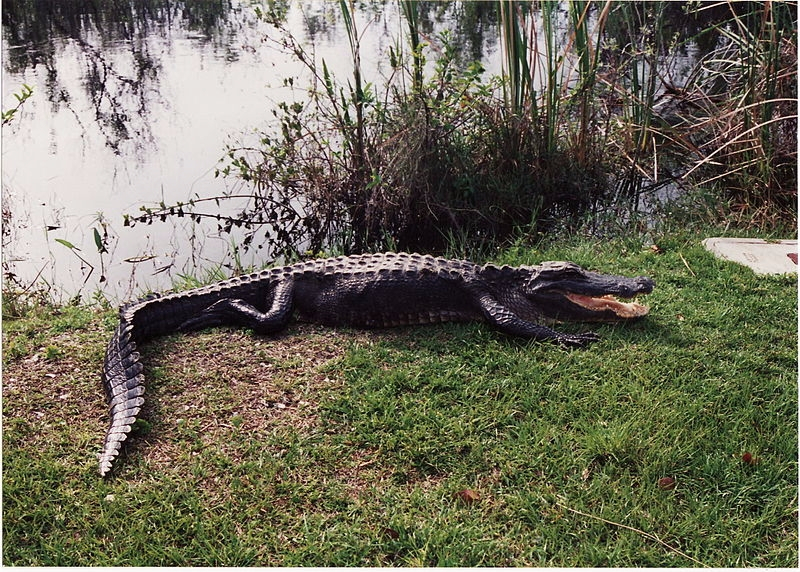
x=565, y=291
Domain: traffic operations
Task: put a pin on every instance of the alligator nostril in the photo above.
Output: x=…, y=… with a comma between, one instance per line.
x=646, y=283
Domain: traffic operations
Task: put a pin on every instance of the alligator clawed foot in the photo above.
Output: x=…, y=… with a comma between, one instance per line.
x=578, y=340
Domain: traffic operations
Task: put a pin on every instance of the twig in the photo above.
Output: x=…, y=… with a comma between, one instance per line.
x=636, y=530
x=686, y=264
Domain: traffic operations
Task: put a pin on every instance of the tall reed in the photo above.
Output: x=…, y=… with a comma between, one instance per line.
x=518, y=84
x=549, y=85
x=410, y=12
x=639, y=87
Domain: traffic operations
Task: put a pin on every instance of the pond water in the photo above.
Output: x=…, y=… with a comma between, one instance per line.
x=136, y=103
x=135, y=107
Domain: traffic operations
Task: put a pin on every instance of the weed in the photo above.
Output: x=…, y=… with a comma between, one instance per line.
x=741, y=103
x=24, y=94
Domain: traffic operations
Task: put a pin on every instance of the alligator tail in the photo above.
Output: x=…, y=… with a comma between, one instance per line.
x=124, y=385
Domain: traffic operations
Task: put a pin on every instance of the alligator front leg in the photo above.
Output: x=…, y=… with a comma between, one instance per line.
x=509, y=323
x=234, y=311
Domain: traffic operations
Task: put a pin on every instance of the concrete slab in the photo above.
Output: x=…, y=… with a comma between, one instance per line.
x=763, y=257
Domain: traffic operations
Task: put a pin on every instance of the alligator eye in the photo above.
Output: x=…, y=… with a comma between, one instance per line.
x=567, y=271
x=550, y=274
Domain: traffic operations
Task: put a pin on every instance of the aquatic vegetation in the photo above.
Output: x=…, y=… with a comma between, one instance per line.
x=590, y=116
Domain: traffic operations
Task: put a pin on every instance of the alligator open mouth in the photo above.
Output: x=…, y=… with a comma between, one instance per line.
x=625, y=310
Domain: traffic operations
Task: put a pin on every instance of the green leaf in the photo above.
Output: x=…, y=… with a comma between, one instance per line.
x=67, y=243
x=99, y=241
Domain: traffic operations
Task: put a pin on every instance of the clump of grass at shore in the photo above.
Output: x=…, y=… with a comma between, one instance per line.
x=672, y=442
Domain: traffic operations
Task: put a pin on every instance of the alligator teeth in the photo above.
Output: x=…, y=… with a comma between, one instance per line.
x=608, y=302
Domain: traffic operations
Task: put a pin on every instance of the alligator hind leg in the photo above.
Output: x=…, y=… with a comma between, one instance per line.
x=234, y=311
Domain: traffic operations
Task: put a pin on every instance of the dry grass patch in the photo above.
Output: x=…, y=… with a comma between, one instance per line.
x=219, y=389
x=53, y=399
x=229, y=390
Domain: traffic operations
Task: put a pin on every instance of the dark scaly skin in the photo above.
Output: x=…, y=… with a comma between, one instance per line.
x=377, y=290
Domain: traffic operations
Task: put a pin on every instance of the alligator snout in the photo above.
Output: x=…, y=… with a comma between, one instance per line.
x=638, y=285
x=646, y=284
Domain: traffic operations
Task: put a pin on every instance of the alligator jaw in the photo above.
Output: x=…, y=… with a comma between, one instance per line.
x=624, y=310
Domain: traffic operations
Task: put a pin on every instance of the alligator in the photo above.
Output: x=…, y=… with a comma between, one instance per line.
x=369, y=291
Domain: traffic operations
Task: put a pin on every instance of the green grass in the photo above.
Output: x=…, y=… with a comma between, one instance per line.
x=335, y=447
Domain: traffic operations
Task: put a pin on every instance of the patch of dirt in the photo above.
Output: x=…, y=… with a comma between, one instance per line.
x=47, y=400
x=213, y=391
x=206, y=388
x=220, y=382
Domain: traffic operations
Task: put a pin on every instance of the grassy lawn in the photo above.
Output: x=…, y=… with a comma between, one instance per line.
x=672, y=442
